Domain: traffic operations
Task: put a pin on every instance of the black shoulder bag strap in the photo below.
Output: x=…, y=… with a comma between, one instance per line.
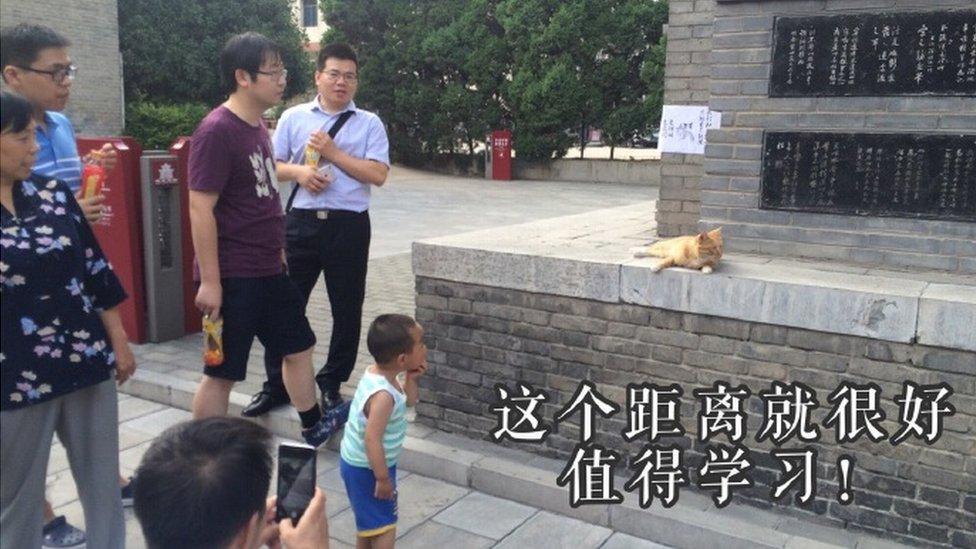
x=332, y=133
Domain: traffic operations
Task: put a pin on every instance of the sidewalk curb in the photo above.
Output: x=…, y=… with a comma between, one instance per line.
x=525, y=478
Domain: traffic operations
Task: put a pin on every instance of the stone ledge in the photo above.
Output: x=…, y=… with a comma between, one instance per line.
x=587, y=256
x=801, y=298
x=525, y=478
x=947, y=316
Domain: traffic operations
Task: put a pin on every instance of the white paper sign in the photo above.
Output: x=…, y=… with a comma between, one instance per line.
x=683, y=128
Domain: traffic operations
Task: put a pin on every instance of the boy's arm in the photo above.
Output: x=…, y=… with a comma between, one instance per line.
x=379, y=407
x=203, y=228
x=411, y=387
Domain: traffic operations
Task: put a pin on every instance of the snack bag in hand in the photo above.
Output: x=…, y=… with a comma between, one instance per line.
x=213, y=346
x=93, y=176
x=311, y=156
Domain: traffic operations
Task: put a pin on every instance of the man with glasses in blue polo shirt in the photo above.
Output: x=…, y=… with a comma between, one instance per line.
x=328, y=228
x=35, y=64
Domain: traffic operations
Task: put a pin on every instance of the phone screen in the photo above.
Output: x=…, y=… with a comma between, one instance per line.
x=296, y=480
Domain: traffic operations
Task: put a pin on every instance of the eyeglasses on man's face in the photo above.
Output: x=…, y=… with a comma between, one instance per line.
x=278, y=75
x=334, y=76
x=58, y=74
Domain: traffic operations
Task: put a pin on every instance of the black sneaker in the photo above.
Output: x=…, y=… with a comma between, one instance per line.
x=58, y=534
x=127, y=494
x=331, y=421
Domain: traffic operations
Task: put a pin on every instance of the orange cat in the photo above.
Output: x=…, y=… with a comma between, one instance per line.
x=694, y=252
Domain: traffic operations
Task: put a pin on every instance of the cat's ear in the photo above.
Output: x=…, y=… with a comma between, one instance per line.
x=702, y=236
x=715, y=233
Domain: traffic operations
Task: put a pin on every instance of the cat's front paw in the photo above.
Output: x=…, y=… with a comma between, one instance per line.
x=706, y=269
x=639, y=251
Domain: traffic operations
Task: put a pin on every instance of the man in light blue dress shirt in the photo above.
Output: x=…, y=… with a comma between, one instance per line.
x=327, y=226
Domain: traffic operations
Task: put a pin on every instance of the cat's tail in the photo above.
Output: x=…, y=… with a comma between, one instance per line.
x=645, y=251
x=654, y=250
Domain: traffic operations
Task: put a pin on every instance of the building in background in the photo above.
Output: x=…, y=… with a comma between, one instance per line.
x=308, y=16
x=96, y=106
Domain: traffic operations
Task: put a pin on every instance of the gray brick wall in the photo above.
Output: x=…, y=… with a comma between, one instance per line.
x=92, y=26
x=913, y=493
x=685, y=83
x=741, y=50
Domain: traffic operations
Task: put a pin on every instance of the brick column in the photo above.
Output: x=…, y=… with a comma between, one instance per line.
x=686, y=82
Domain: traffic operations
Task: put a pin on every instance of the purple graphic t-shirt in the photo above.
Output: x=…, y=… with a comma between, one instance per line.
x=235, y=159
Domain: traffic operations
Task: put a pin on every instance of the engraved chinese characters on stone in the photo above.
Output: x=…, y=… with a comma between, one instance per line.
x=903, y=175
x=930, y=53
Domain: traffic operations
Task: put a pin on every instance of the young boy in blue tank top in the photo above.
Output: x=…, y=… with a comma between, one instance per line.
x=377, y=426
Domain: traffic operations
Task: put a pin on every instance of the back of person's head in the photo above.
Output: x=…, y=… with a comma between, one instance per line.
x=15, y=112
x=389, y=336
x=336, y=50
x=201, y=482
x=21, y=44
x=246, y=52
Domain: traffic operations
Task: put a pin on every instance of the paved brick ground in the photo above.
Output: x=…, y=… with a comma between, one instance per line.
x=433, y=513
x=413, y=205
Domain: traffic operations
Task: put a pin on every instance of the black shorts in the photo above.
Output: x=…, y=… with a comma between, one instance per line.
x=271, y=308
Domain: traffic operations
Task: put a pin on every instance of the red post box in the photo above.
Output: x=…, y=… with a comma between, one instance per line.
x=120, y=232
x=501, y=155
x=191, y=319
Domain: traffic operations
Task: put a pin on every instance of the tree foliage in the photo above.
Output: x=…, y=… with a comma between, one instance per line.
x=170, y=48
x=443, y=73
x=156, y=126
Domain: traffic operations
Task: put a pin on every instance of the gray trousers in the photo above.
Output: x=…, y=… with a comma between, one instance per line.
x=87, y=425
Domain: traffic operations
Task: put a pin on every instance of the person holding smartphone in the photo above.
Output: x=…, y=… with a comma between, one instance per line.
x=205, y=483
x=328, y=225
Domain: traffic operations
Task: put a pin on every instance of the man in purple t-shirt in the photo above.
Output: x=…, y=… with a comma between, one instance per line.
x=239, y=238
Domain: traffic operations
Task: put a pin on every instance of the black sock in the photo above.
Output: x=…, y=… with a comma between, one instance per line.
x=310, y=417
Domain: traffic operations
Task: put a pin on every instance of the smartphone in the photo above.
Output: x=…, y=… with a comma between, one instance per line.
x=328, y=172
x=296, y=481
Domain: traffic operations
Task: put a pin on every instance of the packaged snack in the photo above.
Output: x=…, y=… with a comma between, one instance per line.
x=213, y=341
x=311, y=156
x=92, y=176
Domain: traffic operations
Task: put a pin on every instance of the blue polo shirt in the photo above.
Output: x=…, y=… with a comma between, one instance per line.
x=58, y=155
x=363, y=136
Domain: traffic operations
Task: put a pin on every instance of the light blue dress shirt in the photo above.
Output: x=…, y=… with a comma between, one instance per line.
x=362, y=136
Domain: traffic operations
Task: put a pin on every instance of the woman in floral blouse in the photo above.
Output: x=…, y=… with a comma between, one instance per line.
x=62, y=339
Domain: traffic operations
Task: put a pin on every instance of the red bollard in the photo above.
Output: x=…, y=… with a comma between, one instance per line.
x=192, y=321
x=120, y=232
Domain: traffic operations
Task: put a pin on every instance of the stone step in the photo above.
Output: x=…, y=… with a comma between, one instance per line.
x=525, y=478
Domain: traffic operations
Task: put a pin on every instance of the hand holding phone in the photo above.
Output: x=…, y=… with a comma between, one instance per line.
x=296, y=481
x=312, y=532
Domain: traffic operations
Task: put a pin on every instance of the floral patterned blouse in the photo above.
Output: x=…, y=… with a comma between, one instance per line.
x=54, y=280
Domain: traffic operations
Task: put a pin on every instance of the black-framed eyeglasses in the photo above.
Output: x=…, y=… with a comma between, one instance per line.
x=277, y=75
x=334, y=76
x=58, y=75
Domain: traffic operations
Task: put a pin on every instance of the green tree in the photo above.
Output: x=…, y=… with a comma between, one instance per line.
x=632, y=77
x=442, y=73
x=433, y=70
x=170, y=48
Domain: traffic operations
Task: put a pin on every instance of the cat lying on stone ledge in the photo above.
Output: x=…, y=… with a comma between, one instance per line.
x=693, y=252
